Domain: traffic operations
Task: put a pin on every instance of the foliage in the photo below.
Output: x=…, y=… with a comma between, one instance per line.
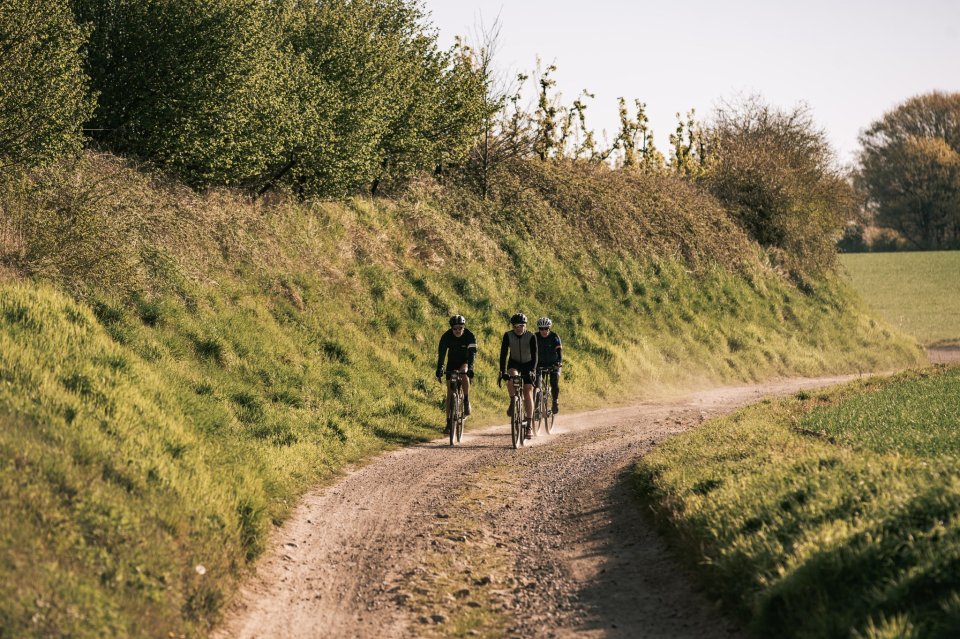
x=44, y=96
x=810, y=537
x=917, y=292
x=910, y=170
x=776, y=173
x=194, y=85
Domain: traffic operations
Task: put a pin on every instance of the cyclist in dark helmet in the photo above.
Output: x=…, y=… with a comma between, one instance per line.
x=550, y=354
x=462, y=348
x=521, y=345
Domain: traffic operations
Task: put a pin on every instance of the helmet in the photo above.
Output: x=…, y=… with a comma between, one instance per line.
x=519, y=318
x=458, y=320
x=544, y=322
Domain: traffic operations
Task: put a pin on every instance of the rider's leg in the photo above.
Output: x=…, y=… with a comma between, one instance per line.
x=465, y=384
x=555, y=390
x=510, y=372
x=528, y=399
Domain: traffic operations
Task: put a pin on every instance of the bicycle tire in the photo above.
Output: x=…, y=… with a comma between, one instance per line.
x=516, y=424
x=548, y=416
x=537, y=408
x=454, y=416
x=460, y=421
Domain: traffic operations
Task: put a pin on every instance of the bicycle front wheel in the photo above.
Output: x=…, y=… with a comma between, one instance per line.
x=516, y=425
x=548, y=415
x=459, y=424
x=455, y=416
x=538, y=413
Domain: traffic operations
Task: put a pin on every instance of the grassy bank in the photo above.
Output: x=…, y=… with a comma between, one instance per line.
x=179, y=367
x=829, y=514
x=918, y=293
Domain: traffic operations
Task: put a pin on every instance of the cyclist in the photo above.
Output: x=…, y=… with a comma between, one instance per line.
x=550, y=354
x=521, y=345
x=462, y=347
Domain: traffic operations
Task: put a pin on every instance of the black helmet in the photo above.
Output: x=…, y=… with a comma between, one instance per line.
x=519, y=318
x=544, y=322
x=458, y=320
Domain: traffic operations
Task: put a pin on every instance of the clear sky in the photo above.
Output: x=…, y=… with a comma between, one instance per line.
x=851, y=61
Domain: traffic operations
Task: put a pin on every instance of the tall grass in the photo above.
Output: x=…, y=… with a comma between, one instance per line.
x=855, y=532
x=164, y=410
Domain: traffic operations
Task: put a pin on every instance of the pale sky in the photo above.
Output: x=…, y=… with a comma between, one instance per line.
x=850, y=61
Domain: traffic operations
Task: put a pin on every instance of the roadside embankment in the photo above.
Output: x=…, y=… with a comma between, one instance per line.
x=179, y=367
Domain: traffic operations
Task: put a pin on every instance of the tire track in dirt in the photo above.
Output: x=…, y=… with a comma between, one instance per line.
x=568, y=551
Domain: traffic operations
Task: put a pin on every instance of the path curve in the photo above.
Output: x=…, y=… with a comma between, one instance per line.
x=568, y=552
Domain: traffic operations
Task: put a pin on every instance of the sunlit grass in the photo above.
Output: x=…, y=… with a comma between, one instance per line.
x=803, y=537
x=918, y=293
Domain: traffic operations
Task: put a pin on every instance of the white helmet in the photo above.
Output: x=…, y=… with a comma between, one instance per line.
x=544, y=322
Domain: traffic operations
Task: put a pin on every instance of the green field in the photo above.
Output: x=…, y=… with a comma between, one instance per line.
x=918, y=293
x=831, y=514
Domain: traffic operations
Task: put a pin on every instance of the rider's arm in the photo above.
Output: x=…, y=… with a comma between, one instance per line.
x=442, y=351
x=533, y=352
x=504, y=349
x=559, y=351
x=471, y=350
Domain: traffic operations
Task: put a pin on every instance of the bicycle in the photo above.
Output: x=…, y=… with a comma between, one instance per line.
x=516, y=420
x=456, y=406
x=542, y=415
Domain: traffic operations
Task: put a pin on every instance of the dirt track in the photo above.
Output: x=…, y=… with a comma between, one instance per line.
x=540, y=542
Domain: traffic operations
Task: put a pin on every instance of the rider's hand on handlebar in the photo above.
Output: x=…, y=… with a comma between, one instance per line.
x=440, y=373
x=500, y=378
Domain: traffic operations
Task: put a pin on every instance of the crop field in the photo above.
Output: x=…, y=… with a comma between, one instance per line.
x=833, y=513
x=918, y=293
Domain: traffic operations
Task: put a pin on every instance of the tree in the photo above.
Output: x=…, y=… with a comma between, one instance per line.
x=44, y=95
x=199, y=86
x=910, y=170
x=775, y=171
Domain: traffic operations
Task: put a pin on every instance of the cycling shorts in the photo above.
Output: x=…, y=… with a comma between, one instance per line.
x=455, y=366
x=526, y=370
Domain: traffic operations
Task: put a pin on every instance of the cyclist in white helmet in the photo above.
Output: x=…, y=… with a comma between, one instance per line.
x=549, y=353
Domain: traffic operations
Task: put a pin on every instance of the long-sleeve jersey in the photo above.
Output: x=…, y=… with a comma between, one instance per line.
x=521, y=348
x=463, y=349
x=548, y=350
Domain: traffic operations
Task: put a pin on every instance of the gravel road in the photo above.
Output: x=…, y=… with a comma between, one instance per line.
x=482, y=540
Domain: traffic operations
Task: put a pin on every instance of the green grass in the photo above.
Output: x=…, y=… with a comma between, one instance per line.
x=919, y=293
x=802, y=537
x=166, y=409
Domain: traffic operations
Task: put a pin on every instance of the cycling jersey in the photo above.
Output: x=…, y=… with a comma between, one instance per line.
x=463, y=349
x=548, y=350
x=522, y=349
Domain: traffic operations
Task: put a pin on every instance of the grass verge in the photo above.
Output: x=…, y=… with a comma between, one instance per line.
x=834, y=513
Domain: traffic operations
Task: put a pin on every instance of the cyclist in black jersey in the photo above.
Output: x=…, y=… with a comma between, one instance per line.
x=521, y=345
x=549, y=353
x=462, y=348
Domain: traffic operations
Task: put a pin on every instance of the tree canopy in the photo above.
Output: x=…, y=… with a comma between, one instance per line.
x=910, y=170
x=44, y=95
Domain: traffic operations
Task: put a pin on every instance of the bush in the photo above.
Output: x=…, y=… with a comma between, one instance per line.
x=776, y=173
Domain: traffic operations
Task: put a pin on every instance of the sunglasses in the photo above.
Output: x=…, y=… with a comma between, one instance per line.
x=519, y=325
x=545, y=328
x=458, y=328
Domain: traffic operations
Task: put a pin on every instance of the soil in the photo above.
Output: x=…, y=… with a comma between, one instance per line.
x=483, y=540
x=943, y=354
